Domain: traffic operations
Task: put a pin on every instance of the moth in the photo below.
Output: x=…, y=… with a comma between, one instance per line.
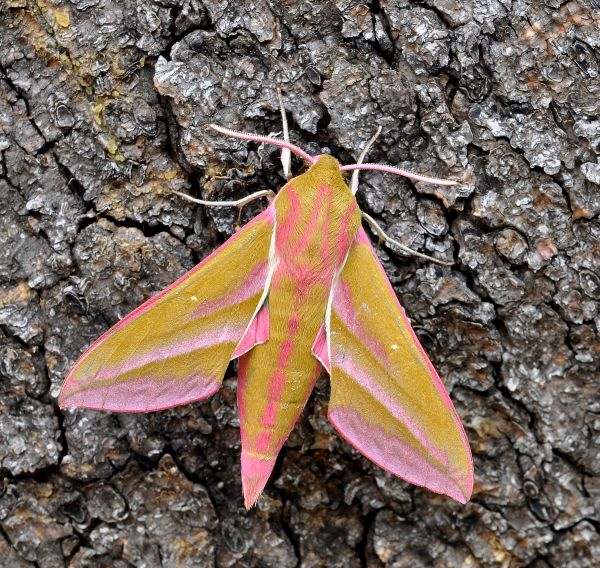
x=297, y=289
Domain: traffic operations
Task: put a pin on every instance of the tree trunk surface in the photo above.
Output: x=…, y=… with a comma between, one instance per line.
x=103, y=113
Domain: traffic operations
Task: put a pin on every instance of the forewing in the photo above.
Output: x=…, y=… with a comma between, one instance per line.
x=386, y=398
x=175, y=348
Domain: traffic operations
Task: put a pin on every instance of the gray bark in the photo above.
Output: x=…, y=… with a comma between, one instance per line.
x=102, y=111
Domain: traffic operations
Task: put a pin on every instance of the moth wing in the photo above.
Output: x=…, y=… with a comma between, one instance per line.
x=175, y=348
x=386, y=398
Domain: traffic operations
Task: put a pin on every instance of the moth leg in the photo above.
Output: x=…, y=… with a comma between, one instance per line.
x=363, y=154
x=387, y=239
x=238, y=221
x=237, y=203
x=286, y=155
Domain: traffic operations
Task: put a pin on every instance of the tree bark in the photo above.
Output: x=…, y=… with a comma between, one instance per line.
x=103, y=110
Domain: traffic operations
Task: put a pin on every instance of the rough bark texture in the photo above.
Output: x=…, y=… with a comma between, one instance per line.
x=102, y=111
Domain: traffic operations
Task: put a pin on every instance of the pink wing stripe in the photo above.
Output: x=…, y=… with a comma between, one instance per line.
x=159, y=395
x=342, y=304
x=392, y=454
x=249, y=287
x=363, y=238
x=90, y=382
x=267, y=215
x=347, y=363
x=203, y=340
x=320, y=349
x=257, y=333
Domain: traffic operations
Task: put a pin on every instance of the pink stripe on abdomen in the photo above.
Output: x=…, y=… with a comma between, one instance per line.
x=278, y=379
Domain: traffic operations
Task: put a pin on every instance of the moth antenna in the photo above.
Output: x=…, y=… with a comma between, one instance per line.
x=399, y=172
x=286, y=156
x=387, y=239
x=265, y=140
x=354, y=184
